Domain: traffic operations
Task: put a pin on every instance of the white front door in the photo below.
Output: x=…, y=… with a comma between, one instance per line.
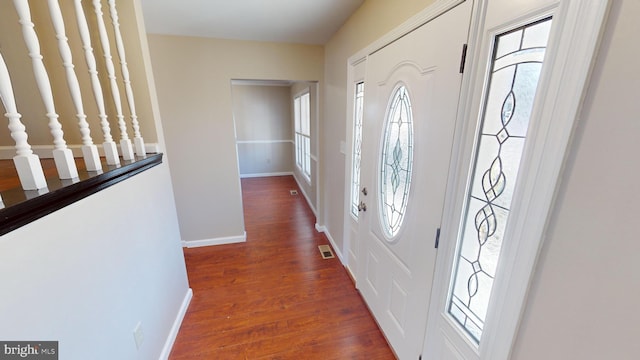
x=412, y=87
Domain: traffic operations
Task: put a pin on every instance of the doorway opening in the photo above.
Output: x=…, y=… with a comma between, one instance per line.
x=276, y=131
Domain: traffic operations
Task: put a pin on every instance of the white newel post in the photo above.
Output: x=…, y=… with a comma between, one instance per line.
x=89, y=150
x=109, y=146
x=137, y=138
x=125, y=142
x=62, y=155
x=27, y=163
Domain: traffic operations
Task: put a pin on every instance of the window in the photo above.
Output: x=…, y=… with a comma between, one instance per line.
x=396, y=161
x=357, y=148
x=516, y=66
x=303, y=132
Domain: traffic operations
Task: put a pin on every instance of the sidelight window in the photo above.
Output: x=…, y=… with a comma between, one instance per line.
x=516, y=65
x=357, y=148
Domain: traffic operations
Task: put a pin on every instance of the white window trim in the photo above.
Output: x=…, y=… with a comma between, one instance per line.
x=307, y=177
x=581, y=24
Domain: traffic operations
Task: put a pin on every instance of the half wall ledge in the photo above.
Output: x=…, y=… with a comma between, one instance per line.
x=23, y=207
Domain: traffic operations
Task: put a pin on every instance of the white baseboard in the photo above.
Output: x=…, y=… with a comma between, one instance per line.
x=265, y=174
x=46, y=151
x=336, y=249
x=304, y=193
x=352, y=275
x=216, y=241
x=168, y=344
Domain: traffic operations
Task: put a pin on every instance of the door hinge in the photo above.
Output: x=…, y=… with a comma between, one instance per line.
x=463, y=58
x=437, y=238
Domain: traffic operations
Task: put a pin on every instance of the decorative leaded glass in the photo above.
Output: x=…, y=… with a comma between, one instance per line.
x=357, y=148
x=396, y=161
x=516, y=65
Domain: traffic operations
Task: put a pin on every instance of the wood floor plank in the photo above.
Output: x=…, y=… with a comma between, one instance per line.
x=274, y=297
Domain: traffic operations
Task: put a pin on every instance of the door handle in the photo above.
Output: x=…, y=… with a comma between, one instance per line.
x=364, y=191
x=362, y=206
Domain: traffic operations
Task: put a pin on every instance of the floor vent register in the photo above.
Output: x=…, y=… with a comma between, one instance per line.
x=325, y=251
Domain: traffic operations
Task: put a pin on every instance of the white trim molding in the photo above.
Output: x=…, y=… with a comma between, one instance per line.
x=255, y=175
x=263, y=141
x=216, y=241
x=173, y=333
x=256, y=82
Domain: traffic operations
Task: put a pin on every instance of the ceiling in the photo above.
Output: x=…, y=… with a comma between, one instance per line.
x=292, y=21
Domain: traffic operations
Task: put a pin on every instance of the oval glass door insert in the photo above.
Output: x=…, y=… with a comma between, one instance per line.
x=396, y=162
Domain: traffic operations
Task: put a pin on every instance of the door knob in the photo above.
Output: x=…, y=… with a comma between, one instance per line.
x=362, y=206
x=364, y=191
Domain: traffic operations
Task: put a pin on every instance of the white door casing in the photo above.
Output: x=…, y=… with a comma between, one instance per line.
x=394, y=273
x=572, y=42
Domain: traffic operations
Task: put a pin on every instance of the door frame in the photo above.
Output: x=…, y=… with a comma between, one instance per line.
x=586, y=18
x=581, y=23
x=431, y=12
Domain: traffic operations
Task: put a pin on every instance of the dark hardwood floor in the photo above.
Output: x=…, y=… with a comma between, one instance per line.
x=274, y=297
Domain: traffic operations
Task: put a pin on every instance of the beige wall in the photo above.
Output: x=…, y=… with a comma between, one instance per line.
x=372, y=20
x=586, y=289
x=28, y=99
x=264, y=129
x=193, y=78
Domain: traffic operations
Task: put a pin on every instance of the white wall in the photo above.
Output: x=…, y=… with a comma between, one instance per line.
x=193, y=77
x=264, y=129
x=86, y=274
x=586, y=289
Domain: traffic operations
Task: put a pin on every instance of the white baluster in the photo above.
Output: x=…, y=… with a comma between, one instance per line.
x=27, y=163
x=62, y=155
x=110, y=149
x=89, y=150
x=125, y=142
x=137, y=138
